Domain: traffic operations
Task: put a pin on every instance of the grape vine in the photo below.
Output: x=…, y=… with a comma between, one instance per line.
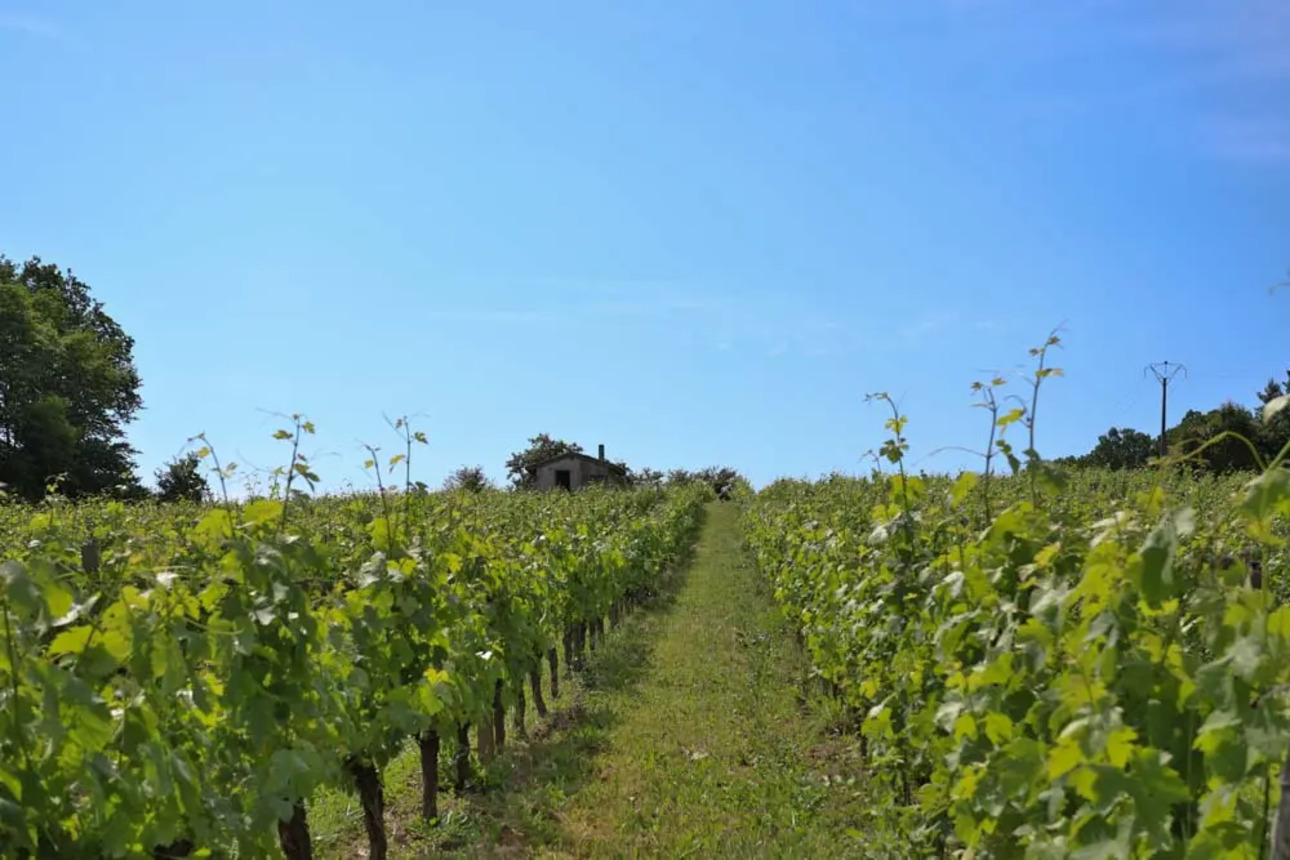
x=1083, y=665
x=180, y=680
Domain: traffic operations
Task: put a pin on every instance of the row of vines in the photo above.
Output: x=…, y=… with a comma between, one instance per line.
x=1091, y=665
x=179, y=681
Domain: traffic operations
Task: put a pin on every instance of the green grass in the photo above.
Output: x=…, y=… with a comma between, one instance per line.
x=686, y=736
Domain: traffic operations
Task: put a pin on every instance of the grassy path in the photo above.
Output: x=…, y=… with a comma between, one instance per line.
x=685, y=737
x=711, y=757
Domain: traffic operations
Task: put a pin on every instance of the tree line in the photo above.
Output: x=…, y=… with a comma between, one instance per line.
x=69, y=386
x=1248, y=438
x=522, y=466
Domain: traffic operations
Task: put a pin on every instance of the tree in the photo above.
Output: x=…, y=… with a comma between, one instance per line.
x=68, y=386
x=182, y=480
x=680, y=477
x=646, y=477
x=469, y=478
x=1274, y=389
x=1128, y=448
x=723, y=480
x=521, y=468
x=1274, y=434
x=1121, y=448
x=1226, y=455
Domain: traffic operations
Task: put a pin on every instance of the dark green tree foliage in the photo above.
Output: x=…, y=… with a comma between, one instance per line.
x=1195, y=437
x=68, y=386
x=1121, y=448
x=723, y=480
x=1275, y=389
x=1275, y=431
x=521, y=468
x=646, y=477
x=182, y=480
x=469, y=478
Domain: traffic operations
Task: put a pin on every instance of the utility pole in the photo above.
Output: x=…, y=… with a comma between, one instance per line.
x=1164, y=373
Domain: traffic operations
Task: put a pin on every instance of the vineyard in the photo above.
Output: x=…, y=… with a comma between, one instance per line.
x=1045, y=665
x=180, y=680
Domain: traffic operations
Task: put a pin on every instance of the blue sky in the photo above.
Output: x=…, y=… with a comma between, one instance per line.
x=698, y=233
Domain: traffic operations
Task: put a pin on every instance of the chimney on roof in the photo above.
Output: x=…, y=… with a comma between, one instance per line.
x=602, y=450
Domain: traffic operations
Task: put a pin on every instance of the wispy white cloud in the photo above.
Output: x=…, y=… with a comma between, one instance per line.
x=1235, y=54
x=1226, y=65
x=772, y=324
x=562, y=309
x=809, y=349
x=934, y=324
x=927, y=325
x=1255, y=141
x=31, y=25
x=1216, y=49
x=499, y=316
x=1248, y=36
x=1218, y=41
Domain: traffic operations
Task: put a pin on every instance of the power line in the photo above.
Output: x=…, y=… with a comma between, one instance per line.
x=1164, y=372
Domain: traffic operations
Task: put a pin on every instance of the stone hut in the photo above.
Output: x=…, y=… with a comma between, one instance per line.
x=573, y=471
